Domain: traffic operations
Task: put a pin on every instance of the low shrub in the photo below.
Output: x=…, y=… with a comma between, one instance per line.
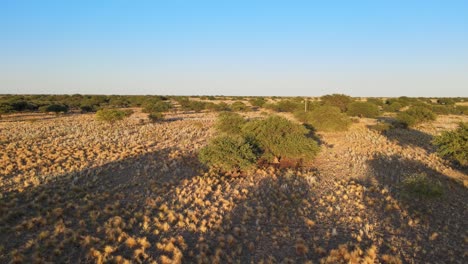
x=257, y=101
x=420, y=185
x=326, y=118
x=363, y=109
x=392, y=107
x=229, y=153
x=230, y=123
x=112, y=115
x=454, y=144
x=155, y=106
x=381, y=127
x=415, y=115
x=239, y=106
x=155, y=117
x=285, y=106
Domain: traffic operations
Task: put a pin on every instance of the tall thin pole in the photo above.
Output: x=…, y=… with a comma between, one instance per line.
x=305, y=105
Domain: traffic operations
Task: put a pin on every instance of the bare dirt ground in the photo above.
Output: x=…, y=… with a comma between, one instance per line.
x=74, y=190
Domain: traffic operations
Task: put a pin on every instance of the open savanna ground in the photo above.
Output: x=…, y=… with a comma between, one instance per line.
x=75, y=190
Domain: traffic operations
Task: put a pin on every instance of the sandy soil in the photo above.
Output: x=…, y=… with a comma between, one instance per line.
x=74, y=190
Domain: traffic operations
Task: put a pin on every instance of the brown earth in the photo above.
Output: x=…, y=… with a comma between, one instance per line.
x=75, y=190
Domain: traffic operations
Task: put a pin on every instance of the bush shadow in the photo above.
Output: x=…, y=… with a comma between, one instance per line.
x=58, y=221
x=434, y=224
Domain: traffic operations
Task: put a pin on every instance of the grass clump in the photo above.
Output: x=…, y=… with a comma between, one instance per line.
x=229, y=153
x=454, y=144
x=325, y=118
x=420, y=185
x=112, y=115
x=415, y=115
x=363, y=109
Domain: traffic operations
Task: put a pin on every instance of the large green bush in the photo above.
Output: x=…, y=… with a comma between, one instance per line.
x=112, y=115
x=230, y=123
x=454, y=144
x=326, y=118
x=415, y=115
x=339, y=100
x=280, y=138
x=229, y=153
x=363, y=109
x=273, y=139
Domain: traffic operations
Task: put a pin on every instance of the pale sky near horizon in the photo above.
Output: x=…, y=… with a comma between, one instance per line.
x=289, y=48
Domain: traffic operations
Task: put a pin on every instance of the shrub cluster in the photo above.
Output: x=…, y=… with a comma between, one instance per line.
x=363, y=109
x=454, y=144
x=415, y=115
x=243, y=143
x=112, y=115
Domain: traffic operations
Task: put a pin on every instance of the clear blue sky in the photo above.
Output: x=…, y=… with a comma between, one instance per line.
x=360, y=48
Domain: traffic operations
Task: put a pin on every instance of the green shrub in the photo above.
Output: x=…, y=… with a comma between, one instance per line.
x=56, y=108
x=363, y=109
x=327, y=118
x=229, y=153
x=257, y=101
x=155, y=106
x=279, y=138
x=239, y=107
x=420, y=185
x=392, y=107
x=376, y=101
x=415, y=115
x=285, y=106
x=454, y=144
x=112, y=115
x=155, y=117
x=338, y=100
x=230, y=123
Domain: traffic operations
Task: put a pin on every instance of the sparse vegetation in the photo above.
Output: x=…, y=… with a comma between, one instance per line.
x=420, y=185
x=77, y=190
